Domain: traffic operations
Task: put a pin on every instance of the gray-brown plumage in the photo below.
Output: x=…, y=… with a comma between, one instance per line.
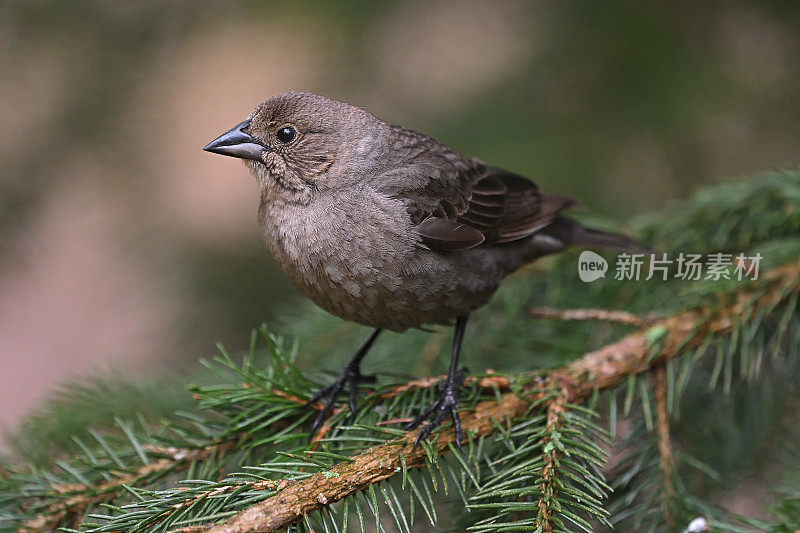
x=389, y=228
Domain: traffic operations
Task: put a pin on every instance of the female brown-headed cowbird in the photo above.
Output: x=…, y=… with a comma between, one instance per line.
x=387, y=227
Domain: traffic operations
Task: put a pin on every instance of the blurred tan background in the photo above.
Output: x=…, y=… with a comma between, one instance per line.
x=124, y=246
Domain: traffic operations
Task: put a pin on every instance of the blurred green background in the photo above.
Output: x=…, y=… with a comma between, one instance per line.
x=124, y=246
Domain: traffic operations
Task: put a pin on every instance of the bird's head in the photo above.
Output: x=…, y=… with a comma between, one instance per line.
x=297, y=144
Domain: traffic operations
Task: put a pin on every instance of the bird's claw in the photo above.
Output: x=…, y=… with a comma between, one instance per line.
x=348, y=379
x=446, y=403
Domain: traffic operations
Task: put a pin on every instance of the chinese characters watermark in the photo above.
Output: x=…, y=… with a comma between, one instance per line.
x=690, y=267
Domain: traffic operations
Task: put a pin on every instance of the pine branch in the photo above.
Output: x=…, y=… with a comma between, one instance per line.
x=174, y=459
x=631, y=355
x=548, y=490
x=598, y=370
x=664, y=445
x=375, y=464
x=601, y=315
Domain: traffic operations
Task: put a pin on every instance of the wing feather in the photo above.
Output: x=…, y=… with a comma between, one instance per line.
x=506, y=207
x=434, y=181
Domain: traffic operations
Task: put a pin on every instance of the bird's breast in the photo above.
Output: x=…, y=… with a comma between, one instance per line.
x=359, y=258
x=346, y=254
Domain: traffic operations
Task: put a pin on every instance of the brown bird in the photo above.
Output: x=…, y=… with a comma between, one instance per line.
x=389, y=228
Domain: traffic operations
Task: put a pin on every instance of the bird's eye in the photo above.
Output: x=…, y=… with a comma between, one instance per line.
x=286, y=134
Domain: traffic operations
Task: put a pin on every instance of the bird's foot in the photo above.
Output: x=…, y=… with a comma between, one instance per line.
x=446, y=403
x=348, y=380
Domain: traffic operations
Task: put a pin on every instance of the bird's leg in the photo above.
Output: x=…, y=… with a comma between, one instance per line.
x=447, y=402
x=349, y=378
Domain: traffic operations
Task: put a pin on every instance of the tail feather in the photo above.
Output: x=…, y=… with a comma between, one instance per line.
x=592, y=238
x=566, y=232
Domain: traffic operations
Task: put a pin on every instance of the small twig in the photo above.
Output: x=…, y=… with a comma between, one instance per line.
x=548, y=492
x=500, y=383
x=664, y=445
x=319, y=406
x=394, y=421
x=603, y=315
x=266, y=484
x=320, y=434
x=177, y=458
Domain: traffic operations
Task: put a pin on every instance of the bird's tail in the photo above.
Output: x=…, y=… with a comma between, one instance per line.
x=566, y=233
x=584, y=237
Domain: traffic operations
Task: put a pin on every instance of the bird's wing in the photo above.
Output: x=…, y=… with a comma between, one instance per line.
x=506, y=207
x=429, y=178
x=461, y=203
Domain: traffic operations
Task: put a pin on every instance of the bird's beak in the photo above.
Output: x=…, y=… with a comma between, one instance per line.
x=237, y=143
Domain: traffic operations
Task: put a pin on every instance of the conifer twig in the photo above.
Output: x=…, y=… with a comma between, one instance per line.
x=548, y=491
x=602, y=315
x=177, y=458
x=664, y=445
x=500, y=383
x=375, y=464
